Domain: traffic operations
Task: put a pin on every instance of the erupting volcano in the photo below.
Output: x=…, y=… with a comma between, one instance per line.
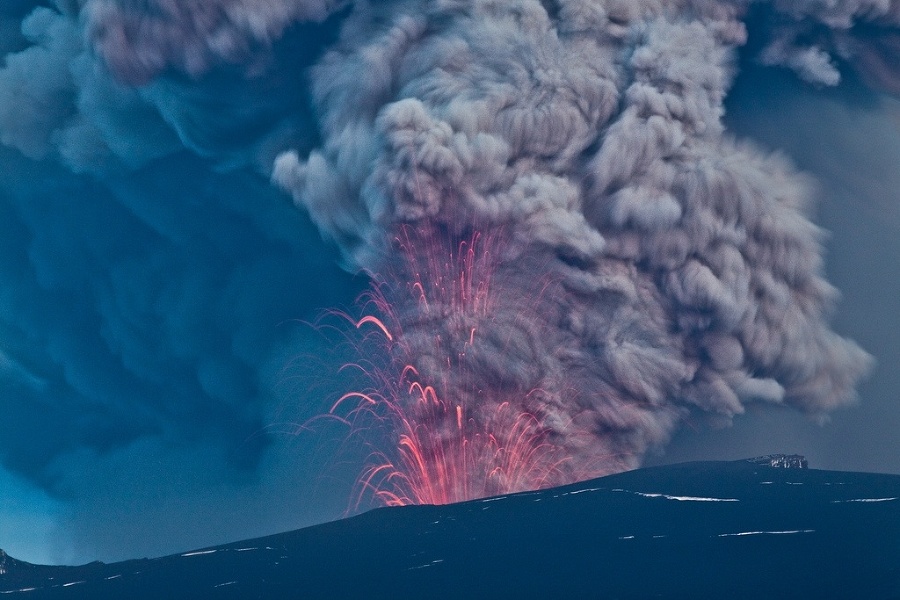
x=580, y=234
x=572, y=256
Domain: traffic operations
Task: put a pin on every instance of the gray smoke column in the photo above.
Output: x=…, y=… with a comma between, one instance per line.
x=686, y=275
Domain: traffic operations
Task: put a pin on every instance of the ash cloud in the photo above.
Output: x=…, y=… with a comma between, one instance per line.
x=149, y=271
x=146, y=261
x=139, y=39
x=689, y=275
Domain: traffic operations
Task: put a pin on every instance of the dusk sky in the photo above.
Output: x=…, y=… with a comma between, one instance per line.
x=182, y=195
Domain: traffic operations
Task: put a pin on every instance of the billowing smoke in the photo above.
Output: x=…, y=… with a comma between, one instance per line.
x=687, y=276
x=139, y=39
x=653, y=267
x=135, y=232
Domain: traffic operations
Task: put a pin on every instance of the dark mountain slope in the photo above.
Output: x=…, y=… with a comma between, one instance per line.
x=696, y=530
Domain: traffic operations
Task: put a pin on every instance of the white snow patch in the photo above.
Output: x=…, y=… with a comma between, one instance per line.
x=224, y=584
x=31, y=589
x=494, y=499
x=113, y=577
x=72, y=583
x=766, y=482
x=244, y=549
x=199, y=552
x=426, y=565
x=794, y=482
x=682, y=498
x=742, y=533
x=582, y=491
x=627, y=537
x=865, y=500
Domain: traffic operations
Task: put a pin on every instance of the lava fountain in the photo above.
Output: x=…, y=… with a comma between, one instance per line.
x=440, y=428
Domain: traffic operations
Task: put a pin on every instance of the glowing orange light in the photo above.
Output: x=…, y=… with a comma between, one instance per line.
x=377, y=322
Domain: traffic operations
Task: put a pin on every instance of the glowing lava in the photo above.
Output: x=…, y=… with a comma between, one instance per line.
x=439, y=431
x=444, y=455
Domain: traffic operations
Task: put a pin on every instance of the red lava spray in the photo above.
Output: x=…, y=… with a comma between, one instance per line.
x=445, y=433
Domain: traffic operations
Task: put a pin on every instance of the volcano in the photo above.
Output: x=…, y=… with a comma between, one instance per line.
x=741, y=529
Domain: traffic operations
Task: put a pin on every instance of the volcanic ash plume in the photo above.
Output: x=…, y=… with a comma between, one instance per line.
x=562, y=233
x=644, y=267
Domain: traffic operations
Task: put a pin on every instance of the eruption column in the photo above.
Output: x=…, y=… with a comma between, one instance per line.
x=637, y=267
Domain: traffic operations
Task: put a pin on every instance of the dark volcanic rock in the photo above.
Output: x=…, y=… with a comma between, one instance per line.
x=696, y=530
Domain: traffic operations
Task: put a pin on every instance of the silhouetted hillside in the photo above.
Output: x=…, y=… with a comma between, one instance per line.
x=695, y=530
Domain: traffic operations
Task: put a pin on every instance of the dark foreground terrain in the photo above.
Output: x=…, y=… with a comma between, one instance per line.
x=696, y=530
